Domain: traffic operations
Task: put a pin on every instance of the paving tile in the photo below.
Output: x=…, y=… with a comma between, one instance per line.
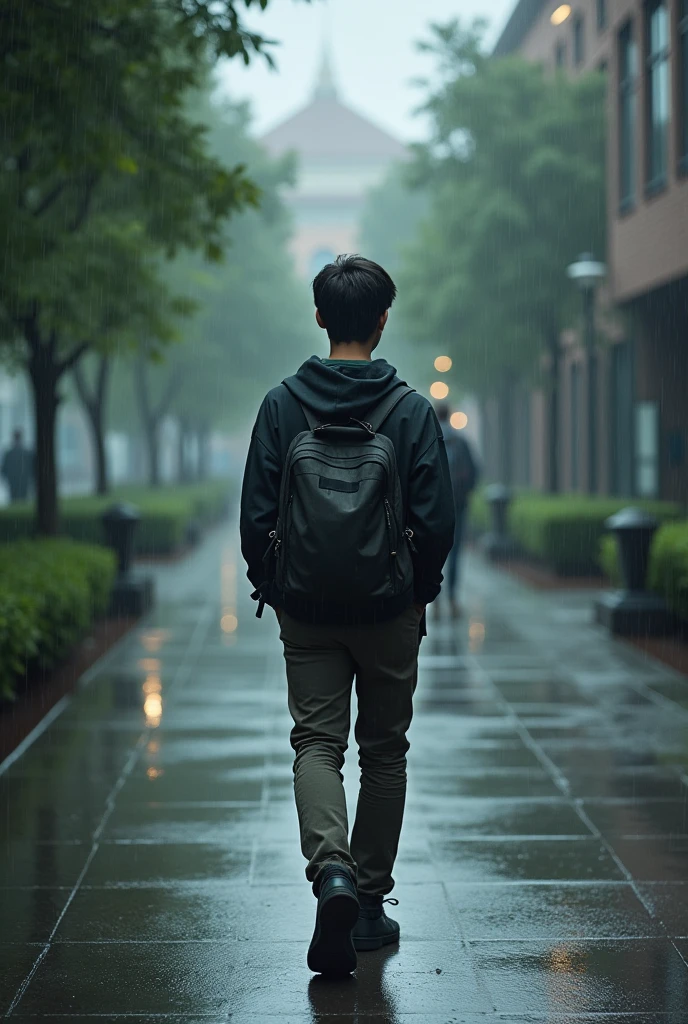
x=653, y=859
x=30, y=914
x=246, y=977
x=673, y=689
x=150, y=783
x=189, y=823
x=594, y=977
x=17, y=961
x=550, y=911
x=512, y=782
x=632, y=784
x=525, y=860
x=220, y=910
x=457, y=818
x=669, y=903
x=146, y=864
x=49, y=864
x=639, y=817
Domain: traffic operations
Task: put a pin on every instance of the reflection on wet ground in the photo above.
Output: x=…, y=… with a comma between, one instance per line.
x=150, y=867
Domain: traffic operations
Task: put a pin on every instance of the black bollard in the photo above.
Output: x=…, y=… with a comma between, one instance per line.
x=497, y=544
x=132, y=594
x=633, y=610
x=120, y=522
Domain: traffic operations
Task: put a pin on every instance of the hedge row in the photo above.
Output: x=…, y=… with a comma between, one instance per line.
x=564, y=531
x=50, y=593
x=668, y=573
x=168, y=515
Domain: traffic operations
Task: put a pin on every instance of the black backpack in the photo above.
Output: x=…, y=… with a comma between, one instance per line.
x=341, y=535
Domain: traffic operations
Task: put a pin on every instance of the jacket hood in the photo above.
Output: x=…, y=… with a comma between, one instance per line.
x=337, y=392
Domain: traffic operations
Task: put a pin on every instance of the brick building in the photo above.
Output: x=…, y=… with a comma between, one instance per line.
x=642, y=408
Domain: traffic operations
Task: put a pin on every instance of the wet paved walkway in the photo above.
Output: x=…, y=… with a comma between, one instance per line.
x=149, y=860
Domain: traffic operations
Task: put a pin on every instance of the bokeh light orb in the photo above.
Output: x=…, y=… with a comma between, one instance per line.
x=439, y=390
x=459, y=420
x=559, y=16
x=443, y=364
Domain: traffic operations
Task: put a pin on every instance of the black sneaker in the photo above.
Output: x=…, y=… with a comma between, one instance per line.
x=373, y=928
x=332, y=950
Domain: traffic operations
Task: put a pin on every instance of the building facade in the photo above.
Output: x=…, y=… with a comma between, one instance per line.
x=641, y=409
x=341, y=156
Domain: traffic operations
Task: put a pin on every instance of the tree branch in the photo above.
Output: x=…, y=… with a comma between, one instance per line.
x=82, y=212
x=48, y=201
x=81, y=385
x=70, y=361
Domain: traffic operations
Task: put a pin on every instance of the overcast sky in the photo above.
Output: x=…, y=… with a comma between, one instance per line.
x=373, y=55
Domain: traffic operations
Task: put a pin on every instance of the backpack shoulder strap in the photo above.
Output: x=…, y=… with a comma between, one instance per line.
x=390, y=402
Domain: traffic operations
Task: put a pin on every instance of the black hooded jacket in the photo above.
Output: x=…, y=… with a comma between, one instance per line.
x=333, y=392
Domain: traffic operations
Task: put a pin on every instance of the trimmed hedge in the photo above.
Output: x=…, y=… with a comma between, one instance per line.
x=50, y=593
x=668, y=574
x=167, y=515
x=564, y=531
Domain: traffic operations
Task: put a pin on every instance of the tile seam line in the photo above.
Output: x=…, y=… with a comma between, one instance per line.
x=202, y=626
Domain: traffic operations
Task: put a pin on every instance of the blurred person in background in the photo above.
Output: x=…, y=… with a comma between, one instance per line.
x=464, y=473
x=347, y=518
x=18, y=469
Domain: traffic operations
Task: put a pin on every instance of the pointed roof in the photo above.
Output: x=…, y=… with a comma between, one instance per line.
x=327, y=128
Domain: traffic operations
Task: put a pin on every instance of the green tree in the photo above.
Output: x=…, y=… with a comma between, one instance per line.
x=97, y=145
x=252, y=318
x=516, y=171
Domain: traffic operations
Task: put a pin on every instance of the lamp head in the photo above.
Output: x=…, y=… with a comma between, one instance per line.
x=587, y=272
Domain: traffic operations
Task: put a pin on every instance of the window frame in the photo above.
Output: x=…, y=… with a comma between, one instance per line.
x=682, y=66
x=627, y=93
x=655, y=183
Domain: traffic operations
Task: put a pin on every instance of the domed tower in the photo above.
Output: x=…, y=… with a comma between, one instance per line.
x=341, y=155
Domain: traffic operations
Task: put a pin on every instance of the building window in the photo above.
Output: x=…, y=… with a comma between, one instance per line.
x=646, y=435
x=560, y=54
x=578, y=40
x=628, y=112
x=683, y=88
x=601, y=15
x=658, y=85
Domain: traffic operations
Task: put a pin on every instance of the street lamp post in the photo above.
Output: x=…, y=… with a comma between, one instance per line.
x=588, y=272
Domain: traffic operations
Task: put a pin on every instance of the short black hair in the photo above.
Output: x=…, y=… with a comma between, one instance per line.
x=351, y=295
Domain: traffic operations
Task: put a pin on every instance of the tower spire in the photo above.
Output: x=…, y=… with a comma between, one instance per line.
x=325, y=85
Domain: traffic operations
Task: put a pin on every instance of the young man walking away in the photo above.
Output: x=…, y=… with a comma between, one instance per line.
x=464, y=474
x=347, y=518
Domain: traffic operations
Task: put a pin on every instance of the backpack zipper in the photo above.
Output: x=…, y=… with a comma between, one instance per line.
x=393, y=564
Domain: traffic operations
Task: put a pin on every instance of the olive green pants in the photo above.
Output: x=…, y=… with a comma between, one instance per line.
x=322, y=663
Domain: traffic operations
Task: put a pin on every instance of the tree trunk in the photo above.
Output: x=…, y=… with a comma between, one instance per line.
x=44, y=382
x=553, y=415
x=181, y=451
x=151, y=433
x=95, y=406
x=203, y=452
x=506, y=433
x=149, y=421
x=152, y=417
